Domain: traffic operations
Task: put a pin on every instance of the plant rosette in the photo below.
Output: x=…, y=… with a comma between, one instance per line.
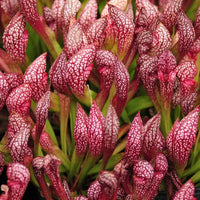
x=99, y=100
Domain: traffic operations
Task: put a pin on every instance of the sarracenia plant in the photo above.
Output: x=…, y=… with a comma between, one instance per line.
x=99, y=100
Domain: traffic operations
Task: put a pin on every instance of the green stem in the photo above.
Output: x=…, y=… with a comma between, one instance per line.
x=114, y=159
x=73, y=109
x=166, y=122
x=49, y=128
x=180, y=171
x=193, y=169
x=3, y=149
x=123, y=130
x=106, y=157
x=198, y=68
x=195, y=152
x=49, y=39
x=75, y=165
x=86, y=98
x=124, y=116
x=4, y=141
x=40, y=7
x=37, y=149
x=177, y=113
x=196, y=177
x=89, y=162
x=191, y=13
x=54, y=102
x=109, y=99
x=32, y=176
x=64, y=113
x=50, y=131
x=46, y=3
x=82, y=7
x=121, y=146
x=64, y=159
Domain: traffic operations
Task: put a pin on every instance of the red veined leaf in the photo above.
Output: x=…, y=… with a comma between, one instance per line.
x=108, y=182
x=74, y=40
x=29, y=10
x=186, y=34
x=129, y=197
x=148, y=74
x=51, y=168
x=19, y=149
x=95, y=131
x=122, y=86
x=163, y=4
x=147, y=15
x=42, y=113
x=167, y=75
x=81, y=131
x=188, y=102
x=160, y=169
x=57, y=74
x=14, y=80
x=186, y=71
x=88, y=15
x=15, y=38
x=170, y=13
x=142, y=176
x=121, y=4
x=121, y=171
x=186, y=191
x=19, y=100
x=38, y=170
x=105, y=61
x=80, y=198
x=193, y=52
x=36, y=77
x=7, y=63
x=47, y=143
x=58, y=9
x=50, y=18
x=161, y=164
x=197, y=23
x=96, y=33
x=18, y=178
x=71, y=7
x=2, y=163
x=78, y=69
x=152, y=139
x=161, y=40
x=10, y=6
x=67, y=190
x=110, y=131
x=94, y=190
x=16, y=123
x=144, y=40
x=129, y=11
x=121, y=194
x=133, y=146
x=182, y=137
x=125, y=29
x=4, y=89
